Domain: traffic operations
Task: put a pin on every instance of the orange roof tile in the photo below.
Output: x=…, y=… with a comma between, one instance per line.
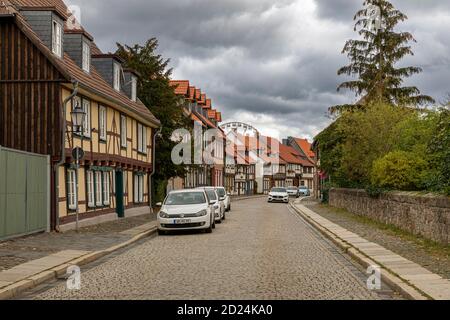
x=58, y=5
x=198, y=94
x=219, y=116
x=192, y=93
x=181, y=86
x=306, y=147
x=208, y=103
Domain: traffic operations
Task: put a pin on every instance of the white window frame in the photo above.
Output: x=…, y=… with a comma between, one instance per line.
x=142, y=138
x=90, y=188
x=138, y=188
x=123, y=131
x=134, y=88
x=116, y=76
x=57, y=36
x=72, y=194
x=86, y=105
x=102, y=123
x=86, y=57
x=106, y=188
x=98, y=189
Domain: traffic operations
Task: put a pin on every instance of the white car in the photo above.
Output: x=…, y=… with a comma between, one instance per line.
x=293, y=192
x=186, y=210
x=278, y=195
x=225, y=197
x=219, y=205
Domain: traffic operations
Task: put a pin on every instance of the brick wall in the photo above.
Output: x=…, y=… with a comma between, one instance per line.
x=424, y=215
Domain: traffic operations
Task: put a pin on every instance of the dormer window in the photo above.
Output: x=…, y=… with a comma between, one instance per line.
x=86, y=62
x=57, y=38
x=116, y=79
x=133, y=88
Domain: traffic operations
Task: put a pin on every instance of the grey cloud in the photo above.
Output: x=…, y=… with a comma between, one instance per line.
x=273, y=62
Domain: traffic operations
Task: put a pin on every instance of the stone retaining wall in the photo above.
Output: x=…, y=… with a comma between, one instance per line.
x=424, y=215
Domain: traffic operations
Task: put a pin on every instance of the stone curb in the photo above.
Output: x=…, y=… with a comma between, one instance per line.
x=18, y=287
x=406, y=290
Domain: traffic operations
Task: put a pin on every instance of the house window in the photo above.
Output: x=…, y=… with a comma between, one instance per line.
x=98, y=189
x=142, y=138
x=106, y=188
x=133, y=88
x=90, y=188
x=116, y=80
x=57, y=38
x=138, y=188
x=87, y=123
x=123, y=131
x=102, y=123
x=86, y=62
x=71, y=189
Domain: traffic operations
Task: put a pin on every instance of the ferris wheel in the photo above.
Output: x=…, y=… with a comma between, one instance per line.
x=240, y=128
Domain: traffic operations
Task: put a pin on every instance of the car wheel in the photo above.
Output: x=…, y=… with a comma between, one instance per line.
x=209, y=230
x=219, y=221
x=161, y=233
x=223, y=218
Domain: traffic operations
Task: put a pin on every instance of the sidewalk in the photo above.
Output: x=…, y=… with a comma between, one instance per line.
x=93, y=238
x=382, y=248
x=26, y=262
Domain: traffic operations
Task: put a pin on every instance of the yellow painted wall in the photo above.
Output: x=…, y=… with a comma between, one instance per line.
x=112, y=147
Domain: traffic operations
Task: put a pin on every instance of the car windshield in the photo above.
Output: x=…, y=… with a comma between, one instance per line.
x=282, y=190
x=185, y=198
x=303, y=188
x=221, y=192
x=211, y=195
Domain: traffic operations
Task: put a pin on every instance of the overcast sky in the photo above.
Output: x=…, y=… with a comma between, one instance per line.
x=271, y=63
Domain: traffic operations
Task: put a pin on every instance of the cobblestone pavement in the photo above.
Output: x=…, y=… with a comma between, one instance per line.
x=262, y=251
x=414, y=249
x=102, y=236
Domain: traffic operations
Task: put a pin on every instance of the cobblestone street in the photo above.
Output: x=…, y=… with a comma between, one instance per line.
x=262, y=251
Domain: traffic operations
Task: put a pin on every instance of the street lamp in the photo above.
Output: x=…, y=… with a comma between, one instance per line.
x=78, y=116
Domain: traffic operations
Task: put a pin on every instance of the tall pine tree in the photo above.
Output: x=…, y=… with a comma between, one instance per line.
x=373, y=59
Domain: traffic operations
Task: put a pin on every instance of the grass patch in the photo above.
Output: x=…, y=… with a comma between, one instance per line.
x=431, y=247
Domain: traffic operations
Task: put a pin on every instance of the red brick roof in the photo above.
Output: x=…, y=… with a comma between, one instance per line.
x=182, y=87
x=198, y=94
x=212, y=114
x=306, y=147
x=219, y=116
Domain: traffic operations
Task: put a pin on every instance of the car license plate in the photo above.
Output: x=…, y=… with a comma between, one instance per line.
x=182, y=221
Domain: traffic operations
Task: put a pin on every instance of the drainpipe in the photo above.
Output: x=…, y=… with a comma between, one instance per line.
x=63, y=148
x=150, y=184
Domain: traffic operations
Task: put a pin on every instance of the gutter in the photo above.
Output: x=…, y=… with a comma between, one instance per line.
x=150, y=193
x=63, y=149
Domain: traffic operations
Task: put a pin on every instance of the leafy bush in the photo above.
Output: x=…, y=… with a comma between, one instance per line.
x=399, y=170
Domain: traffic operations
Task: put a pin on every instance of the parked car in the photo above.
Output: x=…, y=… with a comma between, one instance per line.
x=225, y=197
x=186, y=210
x=293, y=192
x=304, y=191
x=219, y=206
x=278, y=195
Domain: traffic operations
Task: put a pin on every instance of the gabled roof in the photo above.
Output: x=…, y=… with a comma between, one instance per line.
x=192, y=93
x=219, y=116
x=208, y=103
x=181, y=87
x=57, y=5
x=306, y=147
x=92, y=81
x=212, y=114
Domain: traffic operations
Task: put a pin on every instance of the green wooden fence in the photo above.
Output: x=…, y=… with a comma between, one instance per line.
x=24, y=193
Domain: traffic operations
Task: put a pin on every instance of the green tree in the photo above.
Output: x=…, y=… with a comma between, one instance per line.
x=156, y=93
x=399, y=170
x=373, y=59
